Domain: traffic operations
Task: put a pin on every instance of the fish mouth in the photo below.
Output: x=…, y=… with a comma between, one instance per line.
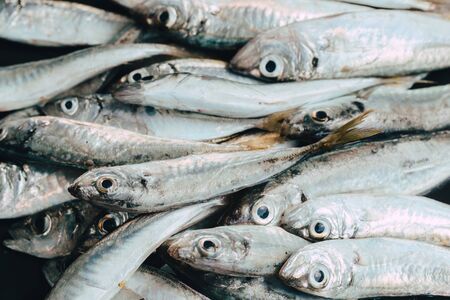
x=75, y=190
x=20, y=245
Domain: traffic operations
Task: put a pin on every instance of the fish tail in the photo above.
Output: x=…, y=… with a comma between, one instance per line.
x=276, y=122
x=260, y=142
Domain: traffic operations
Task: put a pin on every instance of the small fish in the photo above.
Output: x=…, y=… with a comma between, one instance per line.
x=220, y=97
x=410, y=165
x=103, y=270
x=54, y=232
x=84, y=145
x=241, y=250
x=31, y=188
x=356, y=216
x=378, y=267
x=37, y=82
x=163, y=185
x=228, y=24
x=58, y=23
x=373, y=43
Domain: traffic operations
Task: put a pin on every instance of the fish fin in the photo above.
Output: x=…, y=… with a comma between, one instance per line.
x=351, y=131
x=275, y=122
x=402, y=83
x=259, y=142
x=441, y=7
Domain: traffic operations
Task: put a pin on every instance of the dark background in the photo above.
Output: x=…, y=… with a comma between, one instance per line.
x=20, y=274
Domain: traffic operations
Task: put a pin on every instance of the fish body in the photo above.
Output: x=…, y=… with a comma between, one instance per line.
x=82, y=144
x=373, y=43
x=410, y=165
x=241, y=250
x=54, y=232
x=37, y=82
x=424, y=5
x=349, y=269
x=30, y=188
x=356, y=216
x=100, y=272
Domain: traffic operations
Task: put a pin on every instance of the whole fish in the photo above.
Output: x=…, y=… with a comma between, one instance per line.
x=425, y=5
x=170, y=124
x=194, y=66
x=163, y=185
x=409, y=165
x=240, y=250
x=31, y=188
x=425, y=109
x=351, y=269
x=373, y=43
x=82, y=144
x=58, y=23
x=220, y=97
x=54, y=232
x=37, y=82
x=226, y=24
x=103, y=270
x=348, y=216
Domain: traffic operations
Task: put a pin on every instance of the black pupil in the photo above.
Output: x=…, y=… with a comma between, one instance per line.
x=137, y=77
x=263, y=212
x=109, y=225
x=164, y=17
x=208, y=245
x=39, y=224
x=321, y=115
x=68, y=104
x=319, y=276
x=271, y=66
x=319, y=228
x=107, y=183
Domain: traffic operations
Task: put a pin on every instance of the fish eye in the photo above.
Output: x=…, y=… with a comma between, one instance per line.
x=271, y=66
x=139, y=75
x=108, y=223
x=41, y=224
x=319, y=229
x=318, y=276
x=166, y=17
x=262, y=214
x=3, y=133
x=319, y=116
x=106, y=185
x=209, y=246
x=69, y=106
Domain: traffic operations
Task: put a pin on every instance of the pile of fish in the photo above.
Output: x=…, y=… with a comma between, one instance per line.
x=142, y=167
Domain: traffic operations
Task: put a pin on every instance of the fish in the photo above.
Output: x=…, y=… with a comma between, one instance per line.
x=240, y=250
x=195, y=66
x=37, y=82
x=357, y=216
x=351, y=269
x=84, y=145
x=103, y=270
x=42, y=22
x=162, y=185
x=54, y=268
x=409, y=165
x=424, y=5
x=226, y=24
x=30, y=188
x=397, y=111
x=363, y=44
x=54, y=232
x=225, y=98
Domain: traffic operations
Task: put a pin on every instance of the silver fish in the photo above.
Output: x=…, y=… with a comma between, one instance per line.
x=240, y=250
x=374, y=43
x=425, y=109
x=37, y=82
x=348, y=216
x=351, y=269
x=220, y=97
x=230, y=23
x=58, y=23
x=54, y=232
x=30, y=188
x=82, y=144
x=162, y=185
x=103, y=270
x=409, y=165
x=425, y=5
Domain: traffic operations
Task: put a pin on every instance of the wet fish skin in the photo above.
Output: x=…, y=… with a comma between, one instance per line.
x=413, y=165
x=425, y=5
x=332, y=47
x=83, y=145
x=356, y=216
x=348, y=269
x=31, y=188
x=54, y=232
x=37, y=82
x=99, y=273
x=240, y=250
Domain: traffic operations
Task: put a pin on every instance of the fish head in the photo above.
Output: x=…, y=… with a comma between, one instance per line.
x=77, y=108
x=319, y=269
x=17, y=132
x=208, y=249
x=148, y=73
x=172, y=15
